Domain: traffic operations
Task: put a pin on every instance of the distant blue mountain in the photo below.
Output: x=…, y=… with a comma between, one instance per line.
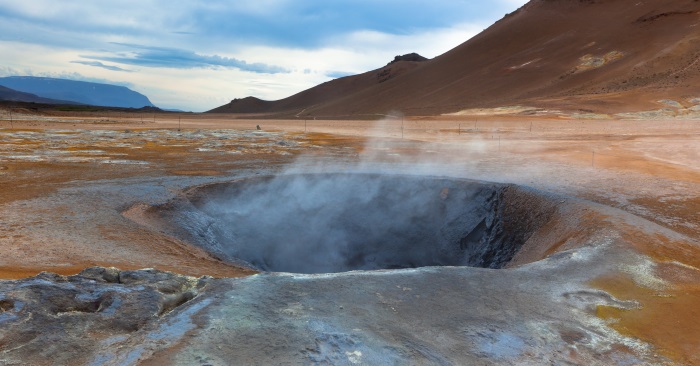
x=7, y=94
x=78, y=91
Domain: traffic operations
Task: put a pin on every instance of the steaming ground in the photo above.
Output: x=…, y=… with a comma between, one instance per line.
x=352, y=220
x=334, y=223
x=627, y=295
x=322, y=223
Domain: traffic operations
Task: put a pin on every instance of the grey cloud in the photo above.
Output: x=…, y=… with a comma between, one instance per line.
x=149, y=56
x=100, y=64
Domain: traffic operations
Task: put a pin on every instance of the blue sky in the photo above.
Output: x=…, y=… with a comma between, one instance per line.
x=197, y=55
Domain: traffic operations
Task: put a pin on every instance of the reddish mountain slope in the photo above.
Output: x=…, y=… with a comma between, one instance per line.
x=592, y=55
x=326, y=92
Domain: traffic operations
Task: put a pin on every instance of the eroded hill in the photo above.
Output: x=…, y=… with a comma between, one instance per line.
x=581, y=56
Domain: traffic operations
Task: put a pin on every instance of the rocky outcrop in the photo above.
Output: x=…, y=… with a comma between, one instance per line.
x=53, y=319
x=413, y=57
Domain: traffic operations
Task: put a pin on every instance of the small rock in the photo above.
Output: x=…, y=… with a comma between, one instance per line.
x=101, y=274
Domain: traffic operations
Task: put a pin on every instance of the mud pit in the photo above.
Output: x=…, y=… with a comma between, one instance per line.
x=323, y=223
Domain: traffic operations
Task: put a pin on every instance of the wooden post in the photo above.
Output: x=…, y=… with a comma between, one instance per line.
x=530, y=126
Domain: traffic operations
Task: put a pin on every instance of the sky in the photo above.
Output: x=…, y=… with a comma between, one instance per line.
x=198, y=55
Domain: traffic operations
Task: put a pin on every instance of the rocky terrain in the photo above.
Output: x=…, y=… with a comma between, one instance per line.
x=52, y=319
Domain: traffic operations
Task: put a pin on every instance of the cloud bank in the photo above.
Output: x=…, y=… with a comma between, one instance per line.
x=149, y=56
x=100, y=64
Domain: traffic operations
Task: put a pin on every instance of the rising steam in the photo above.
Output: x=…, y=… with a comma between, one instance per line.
x=351, y=220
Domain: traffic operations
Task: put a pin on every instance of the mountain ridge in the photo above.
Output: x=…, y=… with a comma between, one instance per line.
x=80, y=92
x=325, y=92
x=11, y=95
x=574, y=55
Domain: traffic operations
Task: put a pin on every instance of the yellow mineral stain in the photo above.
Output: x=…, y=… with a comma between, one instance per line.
x=669, y=319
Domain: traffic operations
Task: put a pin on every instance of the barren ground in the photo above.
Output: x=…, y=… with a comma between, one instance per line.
x=72, y=186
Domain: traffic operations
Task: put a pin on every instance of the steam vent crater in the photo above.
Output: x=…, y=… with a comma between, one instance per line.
x=324, y=223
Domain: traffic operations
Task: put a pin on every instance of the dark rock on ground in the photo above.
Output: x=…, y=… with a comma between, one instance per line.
x=52, y=319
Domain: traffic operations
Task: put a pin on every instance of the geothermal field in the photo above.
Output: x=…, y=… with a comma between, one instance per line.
x=529, y=197
x=497, y=240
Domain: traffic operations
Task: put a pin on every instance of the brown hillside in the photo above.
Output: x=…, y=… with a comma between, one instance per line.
x=591, y=55
x=326, y=92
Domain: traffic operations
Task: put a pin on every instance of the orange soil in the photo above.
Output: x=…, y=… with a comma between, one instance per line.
x=667, y=318
x=649, y=168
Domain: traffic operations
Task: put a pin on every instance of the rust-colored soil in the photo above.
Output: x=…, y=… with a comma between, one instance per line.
x=74, y=192
x=667, y=318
